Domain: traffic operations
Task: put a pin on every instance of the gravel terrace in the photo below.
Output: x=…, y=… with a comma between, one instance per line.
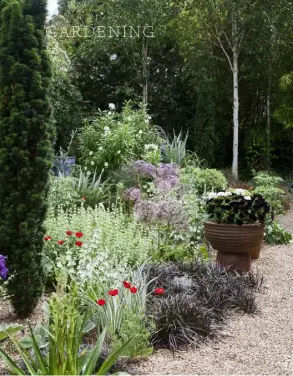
x=261, y=344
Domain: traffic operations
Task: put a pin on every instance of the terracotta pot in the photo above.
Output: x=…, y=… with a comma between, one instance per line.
x=236, y=245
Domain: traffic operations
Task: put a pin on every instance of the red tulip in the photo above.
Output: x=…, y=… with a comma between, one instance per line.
x=69, y=233
x=101, y=302
x=113, y=292
x=126, y=284
x=159, y=291
x=133, y=289
x=79, y=234
x=79, y=244
x=46, y=238
x=60, y=242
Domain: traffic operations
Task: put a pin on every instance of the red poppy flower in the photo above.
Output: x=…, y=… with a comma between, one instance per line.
x=46, y=238
x=133, y=289
x=69, y=233
x=79, y=244
x=60, y=242
x=101, y=302
x=79, y=234
x=126, y=284
x=159, y=291
x=113, y=292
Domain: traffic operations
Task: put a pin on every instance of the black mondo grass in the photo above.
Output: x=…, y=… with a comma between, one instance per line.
x=198, y=298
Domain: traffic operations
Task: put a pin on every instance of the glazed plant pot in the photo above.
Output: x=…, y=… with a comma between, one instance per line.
x=236, y=245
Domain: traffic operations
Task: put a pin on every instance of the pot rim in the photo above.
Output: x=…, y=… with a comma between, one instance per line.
x=234, y=224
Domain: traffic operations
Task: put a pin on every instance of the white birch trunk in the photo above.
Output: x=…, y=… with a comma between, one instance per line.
x=145, y=73
x=235, y=118
x=235, y=37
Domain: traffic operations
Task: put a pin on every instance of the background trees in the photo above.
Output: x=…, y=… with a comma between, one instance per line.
x=25, y=146
x=206, y=57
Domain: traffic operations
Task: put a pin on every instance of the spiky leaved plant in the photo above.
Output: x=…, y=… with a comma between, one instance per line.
x=25, y=145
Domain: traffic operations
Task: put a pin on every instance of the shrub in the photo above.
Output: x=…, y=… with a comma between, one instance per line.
x=199, y=181
x=197, y=298
x=113, y=139
x=25, y=147
x=276, y=234
x=267, y=184
x=111, y=243
x=62, y=193
x=234, y=208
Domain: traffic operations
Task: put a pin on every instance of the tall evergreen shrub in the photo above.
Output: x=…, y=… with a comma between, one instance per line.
x=25, y=146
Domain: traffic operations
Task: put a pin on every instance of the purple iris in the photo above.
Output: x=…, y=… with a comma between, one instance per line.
x=3, y=268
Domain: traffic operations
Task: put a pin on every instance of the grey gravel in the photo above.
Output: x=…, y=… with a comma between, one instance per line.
x=260, y=344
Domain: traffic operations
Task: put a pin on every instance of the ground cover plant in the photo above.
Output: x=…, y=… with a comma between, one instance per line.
x=196, y=299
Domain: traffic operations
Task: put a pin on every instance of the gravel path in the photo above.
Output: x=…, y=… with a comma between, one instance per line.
x=251, y=345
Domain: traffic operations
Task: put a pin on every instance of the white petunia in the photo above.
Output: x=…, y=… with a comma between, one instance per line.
x=247, y=197
x=106, y=164
x=224, y=194
x=91, y=153
x=239, y=191
x=100, y=148
x=112, y=106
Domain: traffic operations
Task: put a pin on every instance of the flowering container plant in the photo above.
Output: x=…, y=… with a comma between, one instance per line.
x=236, y=227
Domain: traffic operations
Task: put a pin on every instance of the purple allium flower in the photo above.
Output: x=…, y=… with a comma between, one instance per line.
x=3, y=268
x=165, y=170
x=145, y=169
x=145, y=211
x=168, y=211
x=132, y=194
x=166, y=184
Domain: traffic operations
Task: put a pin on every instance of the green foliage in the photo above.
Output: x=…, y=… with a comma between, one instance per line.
x=90, y=188
x=64, y=354
x=62, y=193
x=266, y=179
x=112, y=243
x=123, y=314
x=203, y=180
x=65, y=98
x=276, y=234
x=284, y=112
x=174, y=151
x=113, y=139
x=266, y=184
x=7, y=330
x=25, y=146
x=152, y=154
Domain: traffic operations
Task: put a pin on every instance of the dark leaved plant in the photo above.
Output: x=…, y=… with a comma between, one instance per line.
x=233, y=208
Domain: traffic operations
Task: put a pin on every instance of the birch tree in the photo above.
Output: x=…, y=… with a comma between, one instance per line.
x=223, y=24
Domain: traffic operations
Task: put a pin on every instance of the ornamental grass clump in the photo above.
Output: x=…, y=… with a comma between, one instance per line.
x=197, y=299
x=237, y=208
x=122, y=311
